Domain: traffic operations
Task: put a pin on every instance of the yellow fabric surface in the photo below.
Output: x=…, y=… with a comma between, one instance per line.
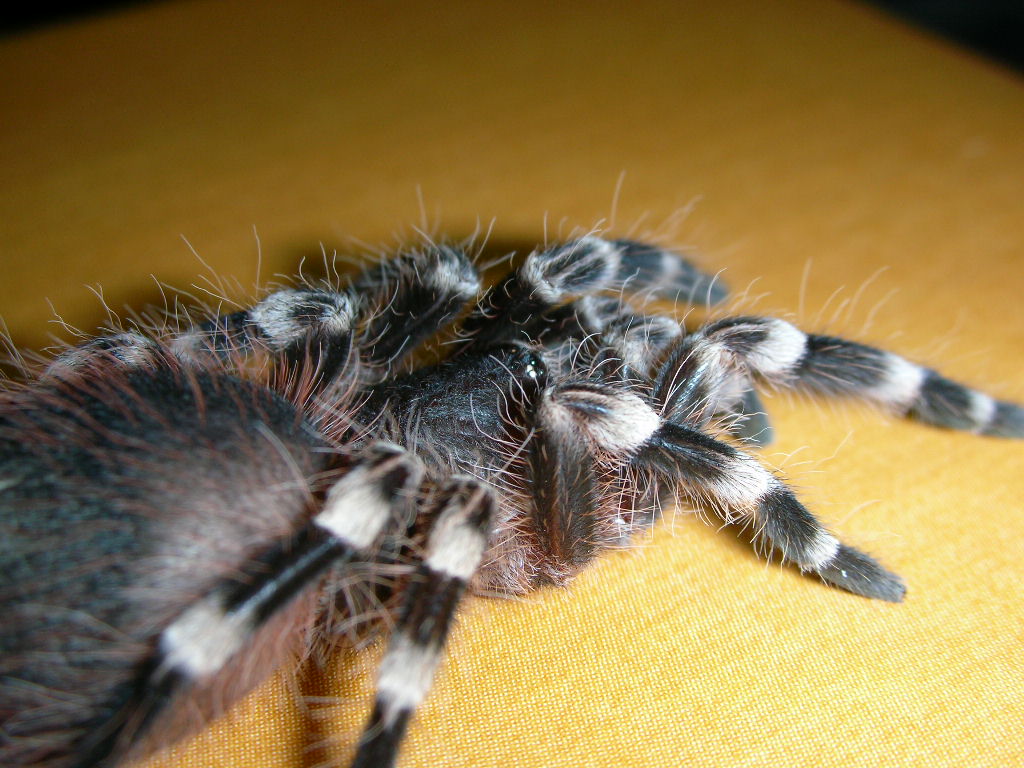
x=842, y=170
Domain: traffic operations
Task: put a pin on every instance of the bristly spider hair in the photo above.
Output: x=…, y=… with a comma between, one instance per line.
x=183, y=510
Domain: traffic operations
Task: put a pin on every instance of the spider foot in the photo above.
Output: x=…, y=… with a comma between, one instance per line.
x=1008, y=421
x=856, y=572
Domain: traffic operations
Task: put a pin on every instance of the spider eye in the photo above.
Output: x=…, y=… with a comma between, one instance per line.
x=533, y=367
x=528, y=365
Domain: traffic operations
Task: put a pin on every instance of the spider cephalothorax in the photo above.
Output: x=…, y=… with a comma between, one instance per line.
x=183, y=510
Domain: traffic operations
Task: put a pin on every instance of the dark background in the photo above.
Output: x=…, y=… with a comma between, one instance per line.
x=994, y=28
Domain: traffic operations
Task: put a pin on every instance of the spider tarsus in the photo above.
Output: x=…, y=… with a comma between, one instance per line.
x=861, y=574
x=749, y=422
x=941, y=402
x=379, y=746
x=1008, y=421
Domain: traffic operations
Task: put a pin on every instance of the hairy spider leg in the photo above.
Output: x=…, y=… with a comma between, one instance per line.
x=618, y=346
x=581, y=430
x=463, y=512
x=666, y=274
x=623, y=347
x=565, y=491
x=371, y=498
x=700, y=377
x=287, y=321
x=517, y=308
x=733, y=484
x=637, y=342
x=362, y=333
x=621, y=427
x=410, y=298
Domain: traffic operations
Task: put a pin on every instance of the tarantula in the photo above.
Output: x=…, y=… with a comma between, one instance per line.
x=183, y=511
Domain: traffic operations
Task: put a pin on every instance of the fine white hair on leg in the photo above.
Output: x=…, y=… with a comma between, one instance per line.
x=616, y=422
x=361, y=503
x=946, y=403
x=781, y=351
x=821, y=551
x=982, y=409
x=130, y=349
x=640, y=340
x=736, y=486
x=579, y=267
x=286, y=317
x=188, y=344
x=448, y=271
x=404, y=677
x=356, y=511
x=464, y=511
x=200, y=641
x=899, y=383
x=743, y=483
x=407, y=299
x=783, y=355
x=650, y=270
x=457, y=542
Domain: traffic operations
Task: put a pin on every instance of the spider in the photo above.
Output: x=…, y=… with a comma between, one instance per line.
x=185, y=509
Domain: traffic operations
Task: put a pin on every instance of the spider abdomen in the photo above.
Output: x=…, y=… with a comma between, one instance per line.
x=127, y=494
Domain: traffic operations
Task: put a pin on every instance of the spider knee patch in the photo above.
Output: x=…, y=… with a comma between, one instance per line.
x=583, y=266
x=640, y=340
x=614, y=422
x=286, y=317
x=356, y=510
x=361, y=503
x=448, y=271
x=132, y=350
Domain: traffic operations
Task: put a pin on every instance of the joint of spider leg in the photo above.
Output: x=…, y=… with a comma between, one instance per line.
x=627, y=349
x=450, y=273
x=285, y=317
x=235, y=332
x=642, y=338
x=201, y=641
x=130, y=349
x=585, y=265
x=459, y=537
x=326, y=360
x=767, y=346
x=355, y=512
x=359, y=505
x=515, y=308
x=462, y=512
x=615, y=423
x=666, y=274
